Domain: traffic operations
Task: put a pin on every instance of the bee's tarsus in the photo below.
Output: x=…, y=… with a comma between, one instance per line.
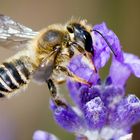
x=54, y=94
x=59, y=102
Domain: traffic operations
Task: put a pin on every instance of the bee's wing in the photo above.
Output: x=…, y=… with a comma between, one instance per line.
x=13, y=34
x=46, y=67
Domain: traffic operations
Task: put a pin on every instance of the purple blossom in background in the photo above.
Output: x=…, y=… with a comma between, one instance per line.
x=102, y=111
x=42, y=135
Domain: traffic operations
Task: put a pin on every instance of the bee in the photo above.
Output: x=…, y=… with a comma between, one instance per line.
x=44, y=55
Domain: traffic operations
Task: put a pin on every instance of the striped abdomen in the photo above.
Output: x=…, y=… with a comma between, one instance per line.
x=13, y=75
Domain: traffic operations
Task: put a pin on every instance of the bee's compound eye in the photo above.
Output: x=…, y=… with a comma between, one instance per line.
x=70, y=29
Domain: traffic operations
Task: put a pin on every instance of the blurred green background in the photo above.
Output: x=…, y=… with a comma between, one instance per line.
x=22, y=115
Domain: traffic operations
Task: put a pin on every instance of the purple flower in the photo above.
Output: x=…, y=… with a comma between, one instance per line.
x=42, y=135
x=101, y=111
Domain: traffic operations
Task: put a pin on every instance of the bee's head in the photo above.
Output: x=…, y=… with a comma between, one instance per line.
x=80, y=34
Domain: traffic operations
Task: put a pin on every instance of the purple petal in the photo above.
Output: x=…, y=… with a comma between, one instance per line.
x=108, y=81
x=81, y=94
x=42, y=135
x=74, y=91
x=66, y=117
x=95, y=113
x=102, y=50
x=133, y=62
x=111, y=96
x=81, y=68
x=119, y=73
x=87, y=94
x=127, y=112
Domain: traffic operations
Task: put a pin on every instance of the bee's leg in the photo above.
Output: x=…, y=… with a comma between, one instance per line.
x=78, y=47
x=87, y=55
x=72, y=75
x=60, y=81
x=54, y=94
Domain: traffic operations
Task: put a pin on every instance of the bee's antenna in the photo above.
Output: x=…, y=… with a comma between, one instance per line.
x=105, y=41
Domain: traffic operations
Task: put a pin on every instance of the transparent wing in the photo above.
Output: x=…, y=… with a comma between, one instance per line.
x=13, y=34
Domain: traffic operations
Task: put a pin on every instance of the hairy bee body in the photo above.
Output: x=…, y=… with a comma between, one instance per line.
x=38, y=61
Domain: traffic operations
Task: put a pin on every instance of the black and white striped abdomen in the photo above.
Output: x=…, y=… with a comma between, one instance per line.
x=13, y=75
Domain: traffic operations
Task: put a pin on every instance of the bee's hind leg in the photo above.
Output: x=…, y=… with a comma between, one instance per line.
x=54, y=94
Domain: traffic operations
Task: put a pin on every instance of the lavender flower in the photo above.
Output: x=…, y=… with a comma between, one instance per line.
x=101, y=111
x=42, y=135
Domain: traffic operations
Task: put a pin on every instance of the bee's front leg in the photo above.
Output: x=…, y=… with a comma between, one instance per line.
x=70, y=74
x=54, y=94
